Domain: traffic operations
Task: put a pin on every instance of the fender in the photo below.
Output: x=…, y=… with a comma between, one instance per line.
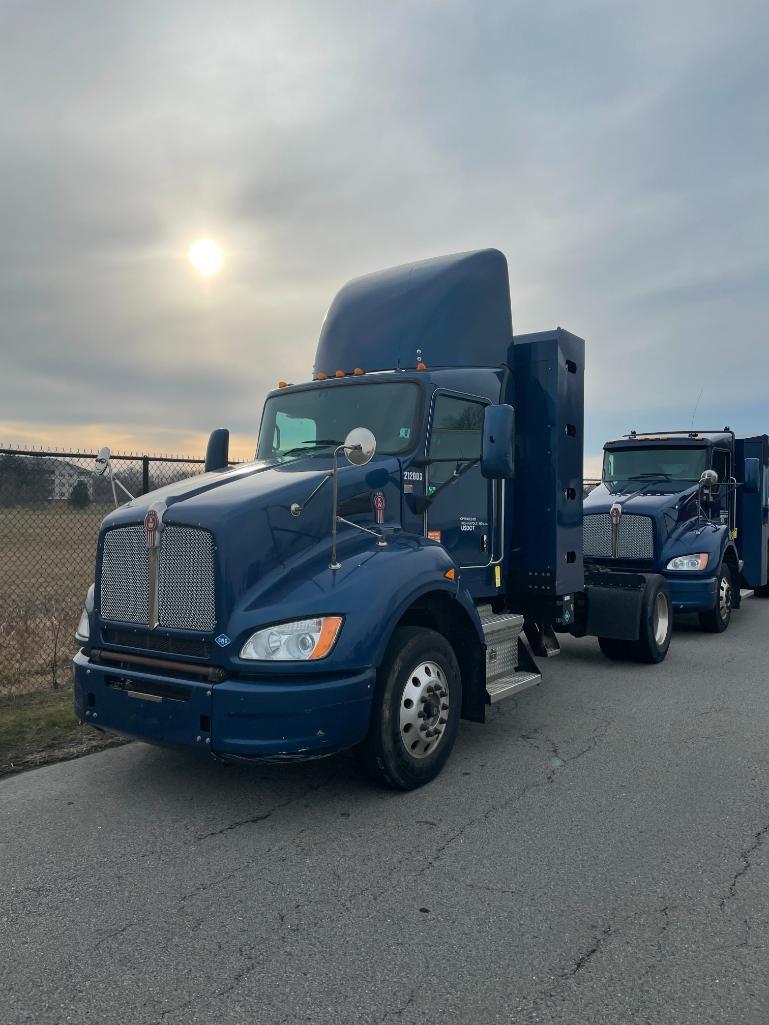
x=372, y=590
x=714, y=539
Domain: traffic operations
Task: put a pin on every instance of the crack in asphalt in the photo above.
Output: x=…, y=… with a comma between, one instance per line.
x=398, y=1012
x=585, y=958
x=611, y=929
x=263, y=816
x=747, y=864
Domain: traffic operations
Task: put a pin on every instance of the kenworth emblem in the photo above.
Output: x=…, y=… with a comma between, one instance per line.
x=151, y=531
x=153, y=524
x=378, y=501
x=615, y=514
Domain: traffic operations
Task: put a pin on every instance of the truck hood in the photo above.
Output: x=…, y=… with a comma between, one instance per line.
x=643, y=497
x=248, y=511
x=672, y=504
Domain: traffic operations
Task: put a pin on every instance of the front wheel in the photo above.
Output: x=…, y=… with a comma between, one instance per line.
x=416, y=710
x=614, y=649
x=656, y=626
x=716, y=620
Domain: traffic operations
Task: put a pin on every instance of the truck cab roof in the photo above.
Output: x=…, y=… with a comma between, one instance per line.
x=693, y=439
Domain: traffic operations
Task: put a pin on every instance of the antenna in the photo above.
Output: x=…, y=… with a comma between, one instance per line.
x=696, y=404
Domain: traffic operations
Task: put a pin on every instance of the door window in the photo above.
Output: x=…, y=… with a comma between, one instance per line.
x=721, y=465
x=455, y=442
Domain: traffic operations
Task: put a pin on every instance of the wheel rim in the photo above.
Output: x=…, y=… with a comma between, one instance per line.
x=661, y=618
x=724, y=598
x=424, y=709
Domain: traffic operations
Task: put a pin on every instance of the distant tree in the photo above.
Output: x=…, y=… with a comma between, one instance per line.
x=16, y=480
x=79, y=497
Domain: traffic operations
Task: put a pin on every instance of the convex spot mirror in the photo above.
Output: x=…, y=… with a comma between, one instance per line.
x=359, y=446
x=709, y=479
x=101, y=462
x=498, y=445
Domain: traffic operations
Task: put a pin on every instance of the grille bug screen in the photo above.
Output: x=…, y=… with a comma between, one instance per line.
x=186, y=599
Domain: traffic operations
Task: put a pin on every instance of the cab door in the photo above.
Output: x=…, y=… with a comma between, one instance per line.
x=460, y=509
x=723, y=494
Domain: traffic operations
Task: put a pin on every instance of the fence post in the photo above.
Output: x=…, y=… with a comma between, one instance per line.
x=145, y=474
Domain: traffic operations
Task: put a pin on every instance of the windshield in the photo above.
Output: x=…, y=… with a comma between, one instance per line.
x=657, y=463
x=318, y=419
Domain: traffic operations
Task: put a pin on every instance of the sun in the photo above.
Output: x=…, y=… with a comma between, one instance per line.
x=206, y=256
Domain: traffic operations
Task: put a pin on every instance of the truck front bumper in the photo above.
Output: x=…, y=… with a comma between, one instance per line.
x=690, y=595
x=288, y=717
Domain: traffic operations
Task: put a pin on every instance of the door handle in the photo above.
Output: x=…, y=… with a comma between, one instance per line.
x=484, y=542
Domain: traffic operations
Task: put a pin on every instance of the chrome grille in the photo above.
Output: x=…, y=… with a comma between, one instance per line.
x=186, y=599
x=186, y=592
x=635, y=538
x=125, y=575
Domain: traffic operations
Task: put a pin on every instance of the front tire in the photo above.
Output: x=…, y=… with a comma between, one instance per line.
x=416, y=710
x=614, y=649
x=717, y=619
x=656, y=627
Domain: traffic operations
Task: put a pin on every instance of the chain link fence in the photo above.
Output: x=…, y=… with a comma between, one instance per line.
x=51, y=506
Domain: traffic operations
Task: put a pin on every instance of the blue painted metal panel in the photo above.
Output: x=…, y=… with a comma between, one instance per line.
x=753, y=512
x=548, y=386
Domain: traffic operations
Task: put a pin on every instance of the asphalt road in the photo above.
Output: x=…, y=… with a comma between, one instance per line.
x=596, y=853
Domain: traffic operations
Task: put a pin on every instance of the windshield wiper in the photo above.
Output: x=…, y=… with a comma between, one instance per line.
x=651, y=476
x=313, y=443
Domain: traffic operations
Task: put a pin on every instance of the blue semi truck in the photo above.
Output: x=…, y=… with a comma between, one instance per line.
x=690, y=505
x=404, y=547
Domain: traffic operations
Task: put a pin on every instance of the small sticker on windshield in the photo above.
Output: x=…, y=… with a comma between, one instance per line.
x=405, y=432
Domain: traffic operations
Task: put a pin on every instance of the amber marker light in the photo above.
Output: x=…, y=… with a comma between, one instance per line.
x=320, y=377
x=339, y=373
x=357, y=371
x=282, y=384
x=421, y=366
x=328, y=635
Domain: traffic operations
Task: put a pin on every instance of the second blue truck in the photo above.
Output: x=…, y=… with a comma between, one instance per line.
x=692, y=506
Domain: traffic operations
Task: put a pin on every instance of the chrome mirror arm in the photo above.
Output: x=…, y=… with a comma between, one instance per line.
x=297, y=508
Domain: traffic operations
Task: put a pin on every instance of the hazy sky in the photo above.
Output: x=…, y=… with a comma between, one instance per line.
x=618, y=153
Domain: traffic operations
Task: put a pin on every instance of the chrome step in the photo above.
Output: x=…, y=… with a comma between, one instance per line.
x=505, y=675
x=512, y=685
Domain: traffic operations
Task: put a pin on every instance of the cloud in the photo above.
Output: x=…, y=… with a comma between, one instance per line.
x=616, y=153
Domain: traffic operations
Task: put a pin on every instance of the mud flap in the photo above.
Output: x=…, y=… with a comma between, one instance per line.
x=613, y=604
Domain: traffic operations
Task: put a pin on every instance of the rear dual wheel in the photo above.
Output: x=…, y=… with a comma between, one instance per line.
x=416, y=710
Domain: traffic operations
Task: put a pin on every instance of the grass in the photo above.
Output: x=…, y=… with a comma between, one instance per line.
x=47, y=555
x=40, y=728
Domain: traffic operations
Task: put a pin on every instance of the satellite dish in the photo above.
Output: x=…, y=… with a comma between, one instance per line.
x=360, y=446
x=101, y=462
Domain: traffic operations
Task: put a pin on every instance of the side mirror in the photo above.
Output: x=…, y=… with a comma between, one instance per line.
x=359, y=446
x=498, y=447
x=218, y=450
x=752, y=473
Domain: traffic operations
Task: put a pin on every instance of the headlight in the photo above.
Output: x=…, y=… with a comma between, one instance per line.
x=689, y=562
x=83, y=631
x=304, y=640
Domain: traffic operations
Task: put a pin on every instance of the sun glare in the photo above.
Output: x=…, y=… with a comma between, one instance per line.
x=206, y=256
